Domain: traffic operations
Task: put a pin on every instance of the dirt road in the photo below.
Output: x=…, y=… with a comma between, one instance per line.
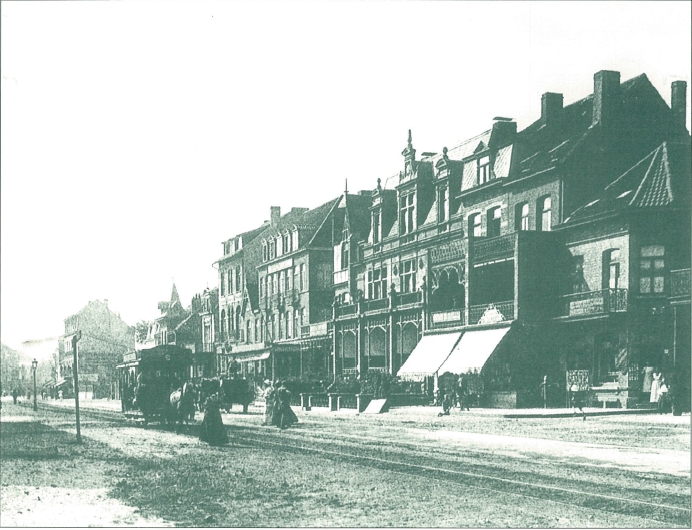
x=329, y=471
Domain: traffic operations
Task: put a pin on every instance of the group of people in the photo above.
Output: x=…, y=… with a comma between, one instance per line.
x=456, y=394
x=278, y=410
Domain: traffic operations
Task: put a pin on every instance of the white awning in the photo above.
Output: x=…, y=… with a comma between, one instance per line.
x=427, y=356
x=258, y=356
x=473, y=350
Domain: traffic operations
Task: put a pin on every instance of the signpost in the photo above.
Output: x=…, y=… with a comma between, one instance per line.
x=75, y=338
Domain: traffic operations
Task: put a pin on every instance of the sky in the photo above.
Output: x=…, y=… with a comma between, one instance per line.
x=136, y=137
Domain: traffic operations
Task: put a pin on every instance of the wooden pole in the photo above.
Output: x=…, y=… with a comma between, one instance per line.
x=75, y=374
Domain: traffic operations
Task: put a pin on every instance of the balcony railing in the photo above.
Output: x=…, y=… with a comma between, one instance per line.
x=374, y=305
x=408, y=298
x=447, y=319
x=305, y=331
x=340, y=277
x=680, y=282
x=594, y=303
x=345, y=310
x=486, y=249
x=491, y=313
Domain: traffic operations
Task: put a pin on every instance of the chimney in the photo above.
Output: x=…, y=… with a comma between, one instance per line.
x=504, y=130
x=551, y=107
x=678, y=102
x=275, y=215
x=606, y=98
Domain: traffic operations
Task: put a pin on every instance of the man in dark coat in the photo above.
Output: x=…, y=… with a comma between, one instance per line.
x=282, y=409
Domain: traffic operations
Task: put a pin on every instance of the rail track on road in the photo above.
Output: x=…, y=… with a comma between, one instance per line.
x=655, y=498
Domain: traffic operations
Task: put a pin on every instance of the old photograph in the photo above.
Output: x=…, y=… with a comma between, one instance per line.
x=345, y=264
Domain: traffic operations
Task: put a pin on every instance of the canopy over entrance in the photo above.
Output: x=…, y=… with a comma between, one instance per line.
x=427, y=356
x=473, y=350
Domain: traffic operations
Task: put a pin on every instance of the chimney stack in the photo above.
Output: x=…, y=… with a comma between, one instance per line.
x=678, y=102
x=551, y=107
x=606, y=98
x=503, y=132
x=275, y=215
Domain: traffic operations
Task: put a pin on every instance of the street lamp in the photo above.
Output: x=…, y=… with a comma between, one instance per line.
x=34, y=365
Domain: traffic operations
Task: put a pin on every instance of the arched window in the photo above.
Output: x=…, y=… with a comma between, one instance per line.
x=521, y=216
x=544, y=209
x=409, y=340
x=494, y=221
x=475, y=225
x=378, y=349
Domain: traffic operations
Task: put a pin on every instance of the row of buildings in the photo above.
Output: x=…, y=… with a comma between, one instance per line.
x=561, y=250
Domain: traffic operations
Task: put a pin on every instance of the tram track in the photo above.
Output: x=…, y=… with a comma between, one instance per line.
x=654, y=499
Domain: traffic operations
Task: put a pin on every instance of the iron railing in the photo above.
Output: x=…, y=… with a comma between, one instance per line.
x=408, y=298
x=491, y=312
x=593, y=302
x=346, y=309
x=376, y=304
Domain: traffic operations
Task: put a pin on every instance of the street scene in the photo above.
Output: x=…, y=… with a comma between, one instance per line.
x=418, y=264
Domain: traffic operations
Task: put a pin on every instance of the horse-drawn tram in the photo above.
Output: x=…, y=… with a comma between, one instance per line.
x=149, y=377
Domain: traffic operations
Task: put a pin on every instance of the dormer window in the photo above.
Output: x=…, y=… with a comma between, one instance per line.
x=483, y=175
x=376, y=226
x=407, y=214
x=236, y=243
x=443, y=204
x=226, y=248
x=265, y=252
x=294, y=245
x=272, y=249
x=286, y=243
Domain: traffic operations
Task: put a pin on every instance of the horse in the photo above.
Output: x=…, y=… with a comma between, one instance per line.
x=183, y=405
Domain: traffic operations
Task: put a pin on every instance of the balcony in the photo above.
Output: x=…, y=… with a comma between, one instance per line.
x=492, y=248
x=589, y=303
x=375, y=305
x=345, y=310
x=340, y=277
x=680, y=283
x=447, y=319
x=491, y=313
x=305, y=331
x=408, y=298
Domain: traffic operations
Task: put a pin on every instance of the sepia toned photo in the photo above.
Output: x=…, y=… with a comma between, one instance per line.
x=345, y=264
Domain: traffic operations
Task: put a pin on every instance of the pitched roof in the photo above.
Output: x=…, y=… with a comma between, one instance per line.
x=358, y=208
x=660, y=179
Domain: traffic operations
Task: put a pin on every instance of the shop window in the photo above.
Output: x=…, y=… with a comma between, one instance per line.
x=652, y=268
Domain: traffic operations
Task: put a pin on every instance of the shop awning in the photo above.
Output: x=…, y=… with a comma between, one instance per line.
x=428, y=355
x=60, y=382
x=256, y=356
x=473, y=350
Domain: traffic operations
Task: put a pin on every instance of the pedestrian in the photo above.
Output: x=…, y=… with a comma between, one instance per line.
x=655, y=388
x=212, y=429
x=269, y=402
x=662, y=404
x=286, y=416
x=577, y=400
x=60, y=395
x=447, y=404
x=15, y=394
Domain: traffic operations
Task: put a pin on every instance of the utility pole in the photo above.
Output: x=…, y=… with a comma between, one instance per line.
x=75, y=338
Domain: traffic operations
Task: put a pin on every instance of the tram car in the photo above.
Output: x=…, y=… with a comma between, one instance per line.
x=147, y=379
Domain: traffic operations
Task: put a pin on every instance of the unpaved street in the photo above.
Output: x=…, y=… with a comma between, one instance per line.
x=405, y=468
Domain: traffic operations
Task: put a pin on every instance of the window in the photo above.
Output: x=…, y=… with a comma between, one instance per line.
x=521, y=217
x=494, y=221
x=281, y=325
x=261, y=288
x=257, y=332
x=289, y=325
x=265, y=252
x=286, y=243
x=408, y=276
x=279, y=246
x=612, y=269
x=303, y=277
x=288, y=274
x=294, y=245
x=238, y=280
x=223, y=284
x=296, y=324
x=236, y=244
x=248, y=331
x=483, y=170
x=269, y=285
x=544, y=214
x=275, y=283
x=282, y=282
x=376, y=235
x=344, y=255
x=406, y=214
x=443, y=204
x=272, y=249
x=377, y=283
x=226, y=247
x=223, y=321
x=262, y=329
x=652, y=267
x=231, y=280
x=272, y=329
x=296, y=278
x=304, y=317
x=475, y=225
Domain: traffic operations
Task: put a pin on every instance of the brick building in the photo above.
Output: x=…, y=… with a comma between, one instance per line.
x=105, y=338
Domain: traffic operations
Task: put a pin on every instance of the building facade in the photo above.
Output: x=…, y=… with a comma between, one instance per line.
x=105, y=338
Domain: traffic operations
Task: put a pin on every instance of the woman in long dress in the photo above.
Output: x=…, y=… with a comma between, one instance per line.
x=212, y=429
x=655, y=388
x=284, y=415
x=269, y=402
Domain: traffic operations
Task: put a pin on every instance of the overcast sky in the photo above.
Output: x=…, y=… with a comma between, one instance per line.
x=136, y=137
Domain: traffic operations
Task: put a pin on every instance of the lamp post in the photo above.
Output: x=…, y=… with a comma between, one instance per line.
x=34, y=365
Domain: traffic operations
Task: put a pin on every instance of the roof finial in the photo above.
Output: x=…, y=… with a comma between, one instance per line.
x=379, y=184
x=346, y=189
x=444, y=153
x=409, y=139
